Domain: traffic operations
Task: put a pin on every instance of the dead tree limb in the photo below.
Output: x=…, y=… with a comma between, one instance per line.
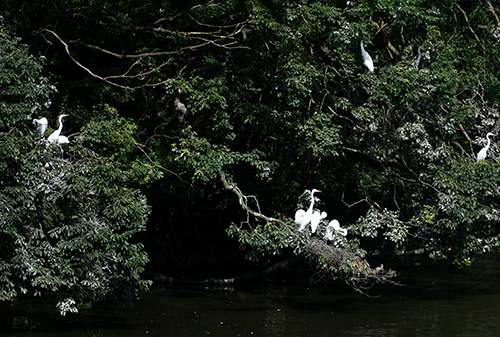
x=220, y=36
x=243, y=199
x=104, y=79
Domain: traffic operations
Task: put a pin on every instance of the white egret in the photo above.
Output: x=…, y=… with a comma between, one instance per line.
x=55, y=136
x=315, y=220
x=63, y=140
x=41, y=125
x=334, y=226
x=417, y=61
x=299, y=216
x=482, y=154
x=367, y=59
x=302, y=217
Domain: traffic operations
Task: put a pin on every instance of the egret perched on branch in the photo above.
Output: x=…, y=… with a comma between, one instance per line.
x=367, y=59
x=334, y=225
x=417, y=61
x=315, y=220
x=41, y=125
x=303, y=218
x=56, y=135
x=482, y=154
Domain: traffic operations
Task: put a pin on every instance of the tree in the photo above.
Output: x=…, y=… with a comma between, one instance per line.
x=68, y=220
x=279, y=101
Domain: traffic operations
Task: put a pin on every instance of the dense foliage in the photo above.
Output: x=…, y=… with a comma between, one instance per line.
x=68, y=218
x=277, y=101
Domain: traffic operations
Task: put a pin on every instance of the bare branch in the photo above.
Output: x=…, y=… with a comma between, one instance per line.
x=353, y=204
x=134, y=56
x=418, y=178
x=108, y=79
x=492, y=10
x=153, y=27
x=468, y=23
x=243, y=199
x=214, y=36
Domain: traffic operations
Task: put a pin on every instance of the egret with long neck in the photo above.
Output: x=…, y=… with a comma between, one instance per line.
x=55, y=136
x=367, y=59
x=484, y=151
x=303, y=218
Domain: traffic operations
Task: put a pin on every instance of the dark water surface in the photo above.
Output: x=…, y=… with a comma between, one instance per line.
x=437, y=300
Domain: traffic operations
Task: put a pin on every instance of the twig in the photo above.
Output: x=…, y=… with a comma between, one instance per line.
x=418, y=178
x=350, y=120
x=353, y=204
x=163, y=168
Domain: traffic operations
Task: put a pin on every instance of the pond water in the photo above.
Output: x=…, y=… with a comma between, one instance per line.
x=437, y=299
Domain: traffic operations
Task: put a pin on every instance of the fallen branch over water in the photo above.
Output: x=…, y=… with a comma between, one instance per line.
x=336, y=261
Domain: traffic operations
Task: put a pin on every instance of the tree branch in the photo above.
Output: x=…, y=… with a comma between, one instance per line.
x=243, y=199
x=468, y=23
x=214, y=37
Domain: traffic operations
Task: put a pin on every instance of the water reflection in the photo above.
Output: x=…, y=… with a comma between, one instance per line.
x=437, y=300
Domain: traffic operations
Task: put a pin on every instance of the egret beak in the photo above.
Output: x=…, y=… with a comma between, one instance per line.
x=319, y=191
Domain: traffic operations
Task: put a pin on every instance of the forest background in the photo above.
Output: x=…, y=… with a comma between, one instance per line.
x=277, y=101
